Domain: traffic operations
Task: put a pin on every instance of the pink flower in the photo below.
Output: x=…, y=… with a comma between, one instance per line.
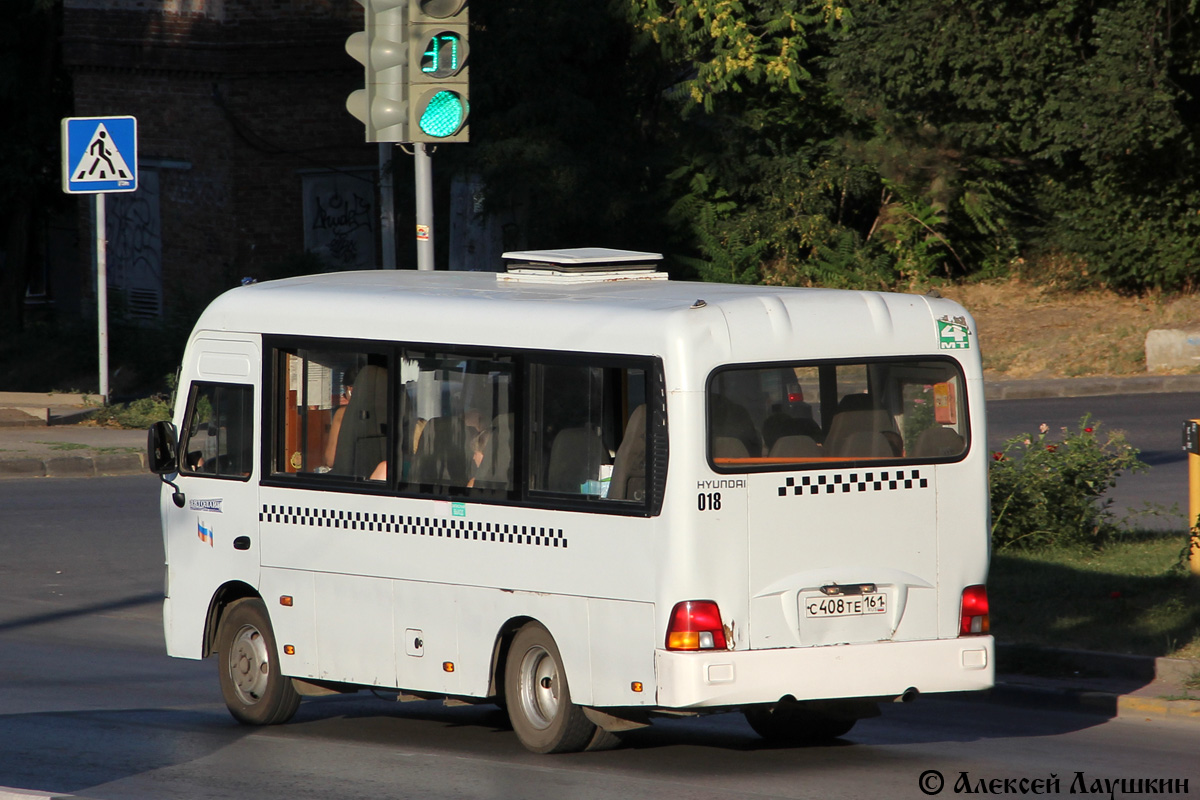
x=1044, y=427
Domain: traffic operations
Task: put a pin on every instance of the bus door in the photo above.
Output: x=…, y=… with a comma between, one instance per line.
x=212, y=539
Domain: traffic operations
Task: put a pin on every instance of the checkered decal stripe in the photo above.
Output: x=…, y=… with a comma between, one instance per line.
x=417, y=526
x=885, y=481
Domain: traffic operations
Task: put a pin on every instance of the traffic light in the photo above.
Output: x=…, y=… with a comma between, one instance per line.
x=382, y=105
x=437, y=77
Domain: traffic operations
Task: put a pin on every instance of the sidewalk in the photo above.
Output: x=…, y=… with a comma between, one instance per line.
x=41, y=437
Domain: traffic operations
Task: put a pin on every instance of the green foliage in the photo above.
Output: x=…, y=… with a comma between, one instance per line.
x=1038, y=125
x=140, y=413
x=1050, y=491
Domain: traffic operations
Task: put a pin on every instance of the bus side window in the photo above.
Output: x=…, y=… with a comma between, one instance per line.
x=219, y=431
x=332, y=408
x=588, y=431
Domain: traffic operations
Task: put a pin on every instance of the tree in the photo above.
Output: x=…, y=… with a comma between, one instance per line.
x=1051, y=125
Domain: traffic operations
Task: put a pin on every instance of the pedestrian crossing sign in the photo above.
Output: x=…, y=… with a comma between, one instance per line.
x=99, y=155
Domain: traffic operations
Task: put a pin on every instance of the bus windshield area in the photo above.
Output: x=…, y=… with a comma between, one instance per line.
x=793, y=416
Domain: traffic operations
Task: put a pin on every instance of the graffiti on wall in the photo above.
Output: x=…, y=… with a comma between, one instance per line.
x=134, y=256
x=339, y=218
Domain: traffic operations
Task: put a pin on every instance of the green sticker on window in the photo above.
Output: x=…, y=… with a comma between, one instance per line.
x=954, y=335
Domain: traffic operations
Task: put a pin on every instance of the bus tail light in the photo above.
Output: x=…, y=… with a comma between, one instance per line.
x=973, y=620
x=696, y=625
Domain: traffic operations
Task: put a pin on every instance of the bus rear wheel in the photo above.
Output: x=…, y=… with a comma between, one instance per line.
x=539, y=699
x=789, y=722
x=255, y=691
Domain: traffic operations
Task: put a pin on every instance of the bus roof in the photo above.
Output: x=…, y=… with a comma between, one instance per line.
x=635, y=315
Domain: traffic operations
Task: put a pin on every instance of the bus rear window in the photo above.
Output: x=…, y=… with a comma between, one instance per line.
x=808, y=415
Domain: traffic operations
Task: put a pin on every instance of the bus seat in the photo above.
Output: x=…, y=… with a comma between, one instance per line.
x=574, y=459
x=362, y=440
x=728, y=419
x=779, y=425
x=629, y=467
x=796, y=447
x=865, y=444
x=441, y=458
x=854, y=421
x=938, y=442
x=495, y=471
x=729, y=447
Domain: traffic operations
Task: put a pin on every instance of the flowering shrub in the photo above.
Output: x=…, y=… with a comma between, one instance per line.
x=1049, y=491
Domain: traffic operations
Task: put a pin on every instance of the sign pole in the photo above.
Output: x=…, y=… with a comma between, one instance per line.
x=102, y=293
x=99, y=155
x=1191, y=445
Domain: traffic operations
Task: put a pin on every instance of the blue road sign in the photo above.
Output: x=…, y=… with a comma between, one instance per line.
x=99, y=155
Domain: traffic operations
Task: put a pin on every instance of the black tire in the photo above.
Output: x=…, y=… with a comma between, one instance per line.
x=255, y=691
x=791, y=723
x=539, y=698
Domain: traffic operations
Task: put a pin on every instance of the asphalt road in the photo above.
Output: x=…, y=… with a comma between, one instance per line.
x=90, y=705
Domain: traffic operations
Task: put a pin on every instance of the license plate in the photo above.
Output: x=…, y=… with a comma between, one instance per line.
x=852, y=605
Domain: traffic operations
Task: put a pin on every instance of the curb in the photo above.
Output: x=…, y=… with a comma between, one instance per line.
x=1108, y=684
x=1089, y=387
x=74, y=467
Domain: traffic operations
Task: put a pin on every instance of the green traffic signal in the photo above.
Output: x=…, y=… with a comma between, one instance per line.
x=444, y=114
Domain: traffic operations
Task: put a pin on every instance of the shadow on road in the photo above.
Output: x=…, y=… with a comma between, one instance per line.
x=82, y=611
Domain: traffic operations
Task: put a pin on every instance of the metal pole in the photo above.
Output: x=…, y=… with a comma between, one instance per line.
x=102, y=293
x=424, y=188
x=387, y=207
x=1194, y=511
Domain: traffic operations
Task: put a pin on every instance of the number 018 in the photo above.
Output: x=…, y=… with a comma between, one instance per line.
x=708, y=501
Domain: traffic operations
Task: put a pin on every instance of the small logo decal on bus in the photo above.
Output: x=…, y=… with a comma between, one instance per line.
x=954, y=334
x=204, y=534
x=206, y=505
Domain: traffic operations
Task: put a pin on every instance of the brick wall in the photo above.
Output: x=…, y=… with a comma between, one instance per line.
x=233, y=100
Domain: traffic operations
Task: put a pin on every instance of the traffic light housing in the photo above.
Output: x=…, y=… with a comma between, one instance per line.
x=438, y=87
x=382, y=105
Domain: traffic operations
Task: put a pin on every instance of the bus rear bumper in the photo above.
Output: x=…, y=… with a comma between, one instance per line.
x=879, y=669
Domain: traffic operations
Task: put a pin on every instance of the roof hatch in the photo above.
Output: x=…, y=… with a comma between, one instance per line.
x=581, y=265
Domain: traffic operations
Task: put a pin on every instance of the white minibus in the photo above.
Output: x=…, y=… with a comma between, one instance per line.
x=580, y=490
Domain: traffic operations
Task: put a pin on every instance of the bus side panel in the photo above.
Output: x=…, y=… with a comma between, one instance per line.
x=606, y=645
x=294, y=625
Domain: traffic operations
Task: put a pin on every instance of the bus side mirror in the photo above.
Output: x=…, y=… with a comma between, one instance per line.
x=162, y=446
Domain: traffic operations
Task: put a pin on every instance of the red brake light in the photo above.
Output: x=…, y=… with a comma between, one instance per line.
x=696, y=625
x=974, y=618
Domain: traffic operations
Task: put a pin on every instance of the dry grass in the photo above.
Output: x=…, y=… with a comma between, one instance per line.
x=1031, y=331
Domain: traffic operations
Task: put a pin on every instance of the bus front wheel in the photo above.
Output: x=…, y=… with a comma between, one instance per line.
x=255, y=691
x=538, y=697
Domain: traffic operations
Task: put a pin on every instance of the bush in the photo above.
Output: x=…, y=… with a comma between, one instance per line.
x=140, y=413
x=1049, y=492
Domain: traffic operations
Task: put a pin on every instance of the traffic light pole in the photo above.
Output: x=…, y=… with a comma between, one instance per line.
x=424, y=191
